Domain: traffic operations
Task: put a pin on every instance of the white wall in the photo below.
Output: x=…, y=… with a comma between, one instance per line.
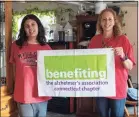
x=131, y=30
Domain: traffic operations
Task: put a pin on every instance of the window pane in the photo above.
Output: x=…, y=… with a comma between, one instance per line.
x=2, y=46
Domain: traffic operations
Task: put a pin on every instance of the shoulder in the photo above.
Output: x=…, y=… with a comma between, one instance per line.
x=47, y=47
x=124, y=39
x=96, y=37
x=95, y=41
x=14, y=44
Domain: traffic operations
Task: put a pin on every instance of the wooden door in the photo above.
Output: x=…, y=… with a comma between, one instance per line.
x=86, y=107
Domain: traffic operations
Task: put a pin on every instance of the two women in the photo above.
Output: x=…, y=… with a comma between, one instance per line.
x=31, y=38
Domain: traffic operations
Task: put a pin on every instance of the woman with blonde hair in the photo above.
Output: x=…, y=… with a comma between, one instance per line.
x=110, y=36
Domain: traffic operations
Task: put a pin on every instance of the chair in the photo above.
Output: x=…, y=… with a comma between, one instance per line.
x=133, y=104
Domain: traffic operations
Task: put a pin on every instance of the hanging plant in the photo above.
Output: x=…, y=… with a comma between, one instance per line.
x=122, y=14
x=61, y=11
x=122, y=17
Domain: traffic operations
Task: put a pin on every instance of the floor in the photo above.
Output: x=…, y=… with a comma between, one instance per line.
x=51, y=114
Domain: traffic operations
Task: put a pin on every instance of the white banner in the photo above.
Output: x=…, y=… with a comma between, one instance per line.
x=76, y=73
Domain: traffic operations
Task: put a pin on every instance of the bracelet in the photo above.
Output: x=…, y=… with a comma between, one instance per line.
x=124, y=58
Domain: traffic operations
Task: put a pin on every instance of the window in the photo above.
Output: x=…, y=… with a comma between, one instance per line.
x=47, y=18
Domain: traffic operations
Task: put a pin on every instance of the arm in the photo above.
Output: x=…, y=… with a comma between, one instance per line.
x=12, y=79
x=128, y=54
x=128, y=64
x=12, y=71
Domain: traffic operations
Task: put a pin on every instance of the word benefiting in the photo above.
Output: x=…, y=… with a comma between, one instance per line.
x=77, y=73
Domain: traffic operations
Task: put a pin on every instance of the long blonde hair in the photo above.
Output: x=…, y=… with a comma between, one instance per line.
x=117, y=30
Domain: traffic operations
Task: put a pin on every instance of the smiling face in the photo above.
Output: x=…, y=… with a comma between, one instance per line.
x=31, y=28
x=107, y=21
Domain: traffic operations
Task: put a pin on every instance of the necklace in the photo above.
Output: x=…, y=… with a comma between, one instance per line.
x=106, y=44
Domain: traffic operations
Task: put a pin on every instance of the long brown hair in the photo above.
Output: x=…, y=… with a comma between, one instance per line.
x=117, y=30
x=22, y=34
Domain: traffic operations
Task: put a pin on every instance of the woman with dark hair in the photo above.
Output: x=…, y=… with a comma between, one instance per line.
x=24, y=55
x=110, y=36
